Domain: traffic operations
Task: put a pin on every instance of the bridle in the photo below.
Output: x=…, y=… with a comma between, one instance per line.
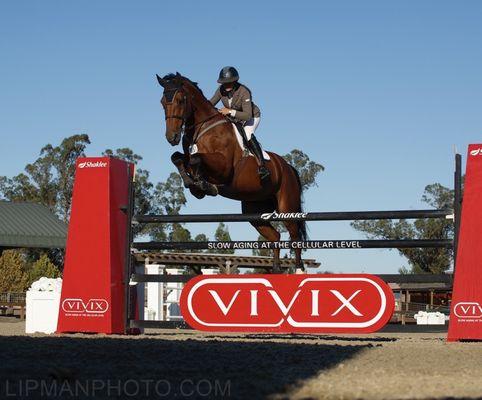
x=189, y=109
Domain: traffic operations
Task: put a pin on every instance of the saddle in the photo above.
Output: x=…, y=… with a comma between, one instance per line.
x=244, y=143
x=240, y=127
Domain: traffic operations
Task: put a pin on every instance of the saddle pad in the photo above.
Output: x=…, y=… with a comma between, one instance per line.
x=241, y=144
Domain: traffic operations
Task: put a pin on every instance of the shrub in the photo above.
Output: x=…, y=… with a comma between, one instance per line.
x=43, y=267
x=13, y=275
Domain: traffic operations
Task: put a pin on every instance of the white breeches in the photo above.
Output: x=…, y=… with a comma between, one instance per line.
x=250, y=126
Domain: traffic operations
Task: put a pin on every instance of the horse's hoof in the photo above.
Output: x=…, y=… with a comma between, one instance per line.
x=198, y=194
x=188, y=184
x=209, y=189
x=213, y=191
x=177, y=158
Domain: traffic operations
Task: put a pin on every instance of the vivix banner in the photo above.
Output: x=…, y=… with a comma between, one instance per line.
x=321, y=303
x=93, y=290
x=466, y=308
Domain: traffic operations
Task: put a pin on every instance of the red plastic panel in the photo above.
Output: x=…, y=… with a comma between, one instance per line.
x=357, y=303
x=93, y=293
x=466, y=312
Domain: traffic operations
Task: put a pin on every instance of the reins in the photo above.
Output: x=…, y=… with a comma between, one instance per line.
x=198, y=131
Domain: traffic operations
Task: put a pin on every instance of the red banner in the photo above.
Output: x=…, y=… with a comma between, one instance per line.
x=466, y=313
x=93, y=292
x=356, y=303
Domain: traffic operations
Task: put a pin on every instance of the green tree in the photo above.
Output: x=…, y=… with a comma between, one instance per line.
x=43, y=267
x=222, y=235
x=420, y=260
x=308, y=170
x=49, y=179
x=143, y=187
x=168, y=199
x=262, y=252
x=201, y=238
x=13, y=274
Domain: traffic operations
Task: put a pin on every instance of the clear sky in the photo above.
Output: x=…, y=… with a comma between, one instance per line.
x=378, y=92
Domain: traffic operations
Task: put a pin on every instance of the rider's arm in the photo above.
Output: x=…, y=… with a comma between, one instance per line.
x=247, y=108
x=215, y=99
x=246, y=112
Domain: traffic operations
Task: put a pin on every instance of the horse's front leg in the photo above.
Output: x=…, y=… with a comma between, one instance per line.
x=200, y=182
x=180, y=160
x=208, y=167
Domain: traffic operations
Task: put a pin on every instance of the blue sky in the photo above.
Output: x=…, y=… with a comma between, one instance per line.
x=379, y=92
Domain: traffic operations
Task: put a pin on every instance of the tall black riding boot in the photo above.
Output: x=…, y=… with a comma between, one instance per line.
x=255, y=147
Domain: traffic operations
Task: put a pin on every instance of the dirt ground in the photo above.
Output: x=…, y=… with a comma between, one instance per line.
x=189, y=364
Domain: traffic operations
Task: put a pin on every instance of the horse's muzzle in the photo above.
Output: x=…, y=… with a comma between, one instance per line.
x=174, y=139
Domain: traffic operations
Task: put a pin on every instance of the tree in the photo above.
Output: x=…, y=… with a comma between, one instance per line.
x=13, y=275
x=307, y=170
x=143, y=197
x=428, y=260
x=49, y=179
x=222, y=235
x=262, y=252
x=43, y=267
x=168, y=199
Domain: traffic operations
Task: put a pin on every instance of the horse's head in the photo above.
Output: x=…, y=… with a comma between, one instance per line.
x=177, y=106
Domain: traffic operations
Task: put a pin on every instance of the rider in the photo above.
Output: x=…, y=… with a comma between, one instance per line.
x=238, y=104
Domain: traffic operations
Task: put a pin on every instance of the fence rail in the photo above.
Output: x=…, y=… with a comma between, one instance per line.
x=312, y=216
x=308, y=244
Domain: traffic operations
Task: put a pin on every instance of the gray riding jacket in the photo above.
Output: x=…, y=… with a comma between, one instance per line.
x=240, y=100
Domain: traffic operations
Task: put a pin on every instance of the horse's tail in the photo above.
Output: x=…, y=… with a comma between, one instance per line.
x=301, y=224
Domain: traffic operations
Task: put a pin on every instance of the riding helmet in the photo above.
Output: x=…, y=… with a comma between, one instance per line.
x=228, y=75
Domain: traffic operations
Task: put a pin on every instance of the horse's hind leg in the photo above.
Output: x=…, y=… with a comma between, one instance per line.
x=293, y=231
x=289, y=201
x=264, y=228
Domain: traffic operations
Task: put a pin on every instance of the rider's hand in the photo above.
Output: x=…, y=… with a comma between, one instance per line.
x=224, y=111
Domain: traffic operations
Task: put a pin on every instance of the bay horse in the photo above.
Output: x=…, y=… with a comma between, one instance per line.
x=213, y=162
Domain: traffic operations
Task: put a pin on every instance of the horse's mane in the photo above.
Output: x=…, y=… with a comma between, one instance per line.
x=179, y=80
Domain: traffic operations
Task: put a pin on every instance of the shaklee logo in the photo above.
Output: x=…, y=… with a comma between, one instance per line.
x=92, y=306
x=274, y=215
x=476, y=152
x=468, y=309
x=287, y=303
x=91, y=164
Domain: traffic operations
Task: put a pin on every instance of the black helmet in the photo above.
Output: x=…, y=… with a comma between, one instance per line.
x=228, y=75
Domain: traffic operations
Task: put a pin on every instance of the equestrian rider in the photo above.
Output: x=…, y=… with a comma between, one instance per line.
x=238, y=104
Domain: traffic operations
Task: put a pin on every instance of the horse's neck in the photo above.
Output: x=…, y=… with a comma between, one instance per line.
x=203, y=108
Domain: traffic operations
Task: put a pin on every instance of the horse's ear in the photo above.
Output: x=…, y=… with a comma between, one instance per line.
x=161, y=81
x=178, y=74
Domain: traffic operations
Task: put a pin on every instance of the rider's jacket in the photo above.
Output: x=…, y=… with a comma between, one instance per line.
x=238, y=99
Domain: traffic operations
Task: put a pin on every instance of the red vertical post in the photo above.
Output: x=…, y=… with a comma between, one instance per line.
x=466, y=309
x=93, y=288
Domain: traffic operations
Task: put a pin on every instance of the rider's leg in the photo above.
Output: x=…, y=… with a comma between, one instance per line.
x=255, y=147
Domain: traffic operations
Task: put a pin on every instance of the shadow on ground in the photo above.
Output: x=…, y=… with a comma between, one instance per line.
x=210, y=368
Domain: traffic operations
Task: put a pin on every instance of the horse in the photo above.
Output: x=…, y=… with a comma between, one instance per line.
x=213, y=162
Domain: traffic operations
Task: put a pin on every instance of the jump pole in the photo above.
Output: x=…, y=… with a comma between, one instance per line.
x=96, y=296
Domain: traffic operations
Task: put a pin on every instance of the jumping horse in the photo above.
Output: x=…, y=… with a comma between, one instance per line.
x=213, y=162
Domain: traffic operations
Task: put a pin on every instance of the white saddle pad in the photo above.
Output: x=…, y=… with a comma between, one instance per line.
x=241, y=144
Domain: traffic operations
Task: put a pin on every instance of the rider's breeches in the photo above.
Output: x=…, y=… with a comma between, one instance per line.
x=250, y=126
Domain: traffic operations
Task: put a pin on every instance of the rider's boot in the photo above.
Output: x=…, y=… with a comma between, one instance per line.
x=255, y=148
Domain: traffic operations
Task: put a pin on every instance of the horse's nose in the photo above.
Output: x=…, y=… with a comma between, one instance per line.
x=173, y=137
